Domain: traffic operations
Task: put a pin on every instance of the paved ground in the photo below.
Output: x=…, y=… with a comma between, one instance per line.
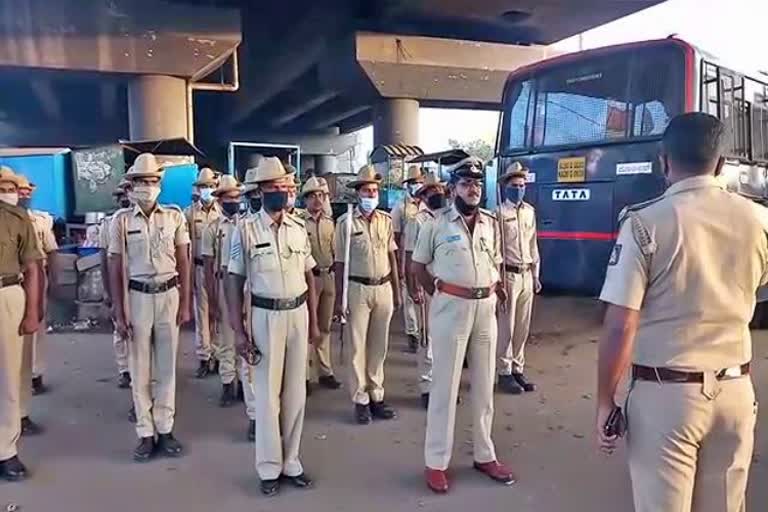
x=84, y=460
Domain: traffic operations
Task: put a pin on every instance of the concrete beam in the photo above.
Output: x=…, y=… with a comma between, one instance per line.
x=50, y=104
x=302, y=108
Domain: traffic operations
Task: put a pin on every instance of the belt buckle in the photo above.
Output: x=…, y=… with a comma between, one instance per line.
x=477, y=293
x=284, y=303
x=733, y=371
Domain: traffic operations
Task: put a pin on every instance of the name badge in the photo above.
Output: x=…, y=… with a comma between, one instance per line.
x=453, y=238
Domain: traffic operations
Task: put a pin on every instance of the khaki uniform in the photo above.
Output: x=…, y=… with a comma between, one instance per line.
x=521, y=251
x=274, y=259
x=402, y=214
x=321, y=238
x=691, y=262
x=119, y=343
x=370, y=306
x=469, y=260
x=151, y=259
x=217, y=242
x=412, y=231
x=18, y=247
x=198, y=220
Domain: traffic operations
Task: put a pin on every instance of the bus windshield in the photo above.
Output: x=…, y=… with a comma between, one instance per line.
x=628, y=93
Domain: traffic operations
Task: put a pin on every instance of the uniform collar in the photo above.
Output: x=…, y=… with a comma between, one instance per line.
x=269, y=221
x=693, y=183
x=454, y=215
x=138, y=211
x=360, y=215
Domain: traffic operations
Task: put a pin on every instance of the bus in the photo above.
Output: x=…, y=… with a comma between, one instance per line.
x=588, y=126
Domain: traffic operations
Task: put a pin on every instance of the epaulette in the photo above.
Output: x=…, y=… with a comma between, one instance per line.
x=295, y=217
x=489, y=213
x=637, y=207
x=385, y=213
x=172, y=207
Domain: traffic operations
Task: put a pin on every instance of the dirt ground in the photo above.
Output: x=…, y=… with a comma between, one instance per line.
x=83, y=462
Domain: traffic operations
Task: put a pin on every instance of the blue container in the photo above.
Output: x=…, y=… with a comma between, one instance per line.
x=176, y=186
x=50, y=172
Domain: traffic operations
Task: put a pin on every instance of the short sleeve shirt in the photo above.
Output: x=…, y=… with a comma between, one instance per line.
x=18, y=241
x=521, y=246
x=198, y=220
x=403, y=212
x=371, y=242
x=217, y=240
x=44, y=231
x=321, y=233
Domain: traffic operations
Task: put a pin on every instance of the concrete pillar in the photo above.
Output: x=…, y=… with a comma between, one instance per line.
x=396, y=121
x=325, y=164
x=157, y=107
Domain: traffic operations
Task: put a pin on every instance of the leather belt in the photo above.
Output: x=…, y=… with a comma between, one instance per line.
x=369, y=281
x=278, y=304
x=221, y=274
x=199, y=261
x=320, y=271
x=463, y=292
x=153, y=288
x=640, y=372
x=517, y=269
x=10, y=280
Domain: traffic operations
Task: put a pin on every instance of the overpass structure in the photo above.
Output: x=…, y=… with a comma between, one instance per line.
x=81, y=72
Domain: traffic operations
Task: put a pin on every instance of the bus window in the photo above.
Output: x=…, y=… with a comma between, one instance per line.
x=520, y=115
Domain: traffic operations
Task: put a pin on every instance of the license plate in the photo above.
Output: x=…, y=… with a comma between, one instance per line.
x=572, y=170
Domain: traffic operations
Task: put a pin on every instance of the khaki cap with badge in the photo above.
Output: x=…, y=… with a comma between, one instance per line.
x=514, y=170
x=269, y=169
x=7, y=175
x=470, y=167
x=315, y=184
x=414, y=174
x=430, y=182
x=227, y=184
x=365, y=176
x=25, y=184
x=206, y=178
x=145, y=166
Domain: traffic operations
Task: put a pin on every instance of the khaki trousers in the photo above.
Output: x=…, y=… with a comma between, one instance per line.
x=515, y=323
x=25, y=391
x=245, y=374
x=204, y=342
x=39, y=349
x=225, y=349
x=11, y=347
x=280, y=389
x=120, y=345
x=690, y=445
x=425, y=356
x=459, y=325
x=320, y=355
x=152, y=357
x=410, y=316
x=367, y=329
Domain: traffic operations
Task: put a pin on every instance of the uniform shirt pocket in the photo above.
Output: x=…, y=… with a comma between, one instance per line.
x=263, y=257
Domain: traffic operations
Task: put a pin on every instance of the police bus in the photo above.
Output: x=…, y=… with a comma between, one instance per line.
x=588, y=127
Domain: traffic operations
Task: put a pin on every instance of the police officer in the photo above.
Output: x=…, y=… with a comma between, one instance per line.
x=271, y=249
x=199, y=215
x=19, y=315
x=374, y=294
x=403, y=213
x=521, y=265
x=320, y=228
x=463, y=248
x=680, y=289
x=150, y=281
x=432, y=194
x=119, y=342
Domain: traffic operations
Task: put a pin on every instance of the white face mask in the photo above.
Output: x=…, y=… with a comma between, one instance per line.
x=291, y=201
x=145, y=195
x=206, y=195
x=11, y=198
x=368, y=204
x=413, y=188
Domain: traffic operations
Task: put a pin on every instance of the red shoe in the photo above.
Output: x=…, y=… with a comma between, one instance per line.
x=437, y=480
x=497, y=471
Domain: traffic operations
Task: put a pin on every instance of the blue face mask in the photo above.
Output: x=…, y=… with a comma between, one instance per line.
x=514, y=194
x=368, y=204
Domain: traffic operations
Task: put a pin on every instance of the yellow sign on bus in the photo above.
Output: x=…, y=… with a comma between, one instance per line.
x=572, y=170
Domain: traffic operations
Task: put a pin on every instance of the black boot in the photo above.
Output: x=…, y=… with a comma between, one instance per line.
x=168, y=445
x=527, y=386
x=29, y=427
x=425, y=400
x=240, y=391
x=301, y=481
x=362, y=414
x=270, y=487
x=12, y=470
x=124, y=381
x=329, y=382
x=413, y=343
x=228, y=395
x=145, y=449
x=508, y=384
x=251, y=430
x=38, y=388
x=203, y=370
x=215, y=366
x=382, y=411
x=132, y=415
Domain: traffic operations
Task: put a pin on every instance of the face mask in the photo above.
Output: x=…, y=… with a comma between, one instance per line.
x=125, y=203
x=514, y=194
x=436, y=201
x=144, y=195
x=274, y=201
x=24, y=202
x=206, y=195
x=291, y=201
x=413, y=188
x=230, y=209
x=368, y=204
x=11, y=198
x=464, y=207
x=254, y=203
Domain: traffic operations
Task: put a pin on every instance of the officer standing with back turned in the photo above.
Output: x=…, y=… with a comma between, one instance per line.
x=680, y=289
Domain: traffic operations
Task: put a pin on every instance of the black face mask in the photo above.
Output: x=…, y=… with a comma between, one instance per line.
x=24, y=202
x=230, y=209
x=274, y=201
x=254, y=203
x=125, y=203
x=436, y=201
x=463, y=207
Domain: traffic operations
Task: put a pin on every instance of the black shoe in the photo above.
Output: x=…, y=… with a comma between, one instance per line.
x=251, y=430
x=145, y=450
x=329, y=382
x=413, y=343
x=382, y=411
x=310, y=388
x=12, y=470
x=301, y=481
x=270, y=487
x=240, y=392
x=204, y=370
x=425, y=400
x=38, y=388
x=508, y=384
x=362, y=414
x=228, y=395
x=30, y=428
x=527, y=386
x=124, y=381
x=215, y=366
x=132, y=415
x=169, y=446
